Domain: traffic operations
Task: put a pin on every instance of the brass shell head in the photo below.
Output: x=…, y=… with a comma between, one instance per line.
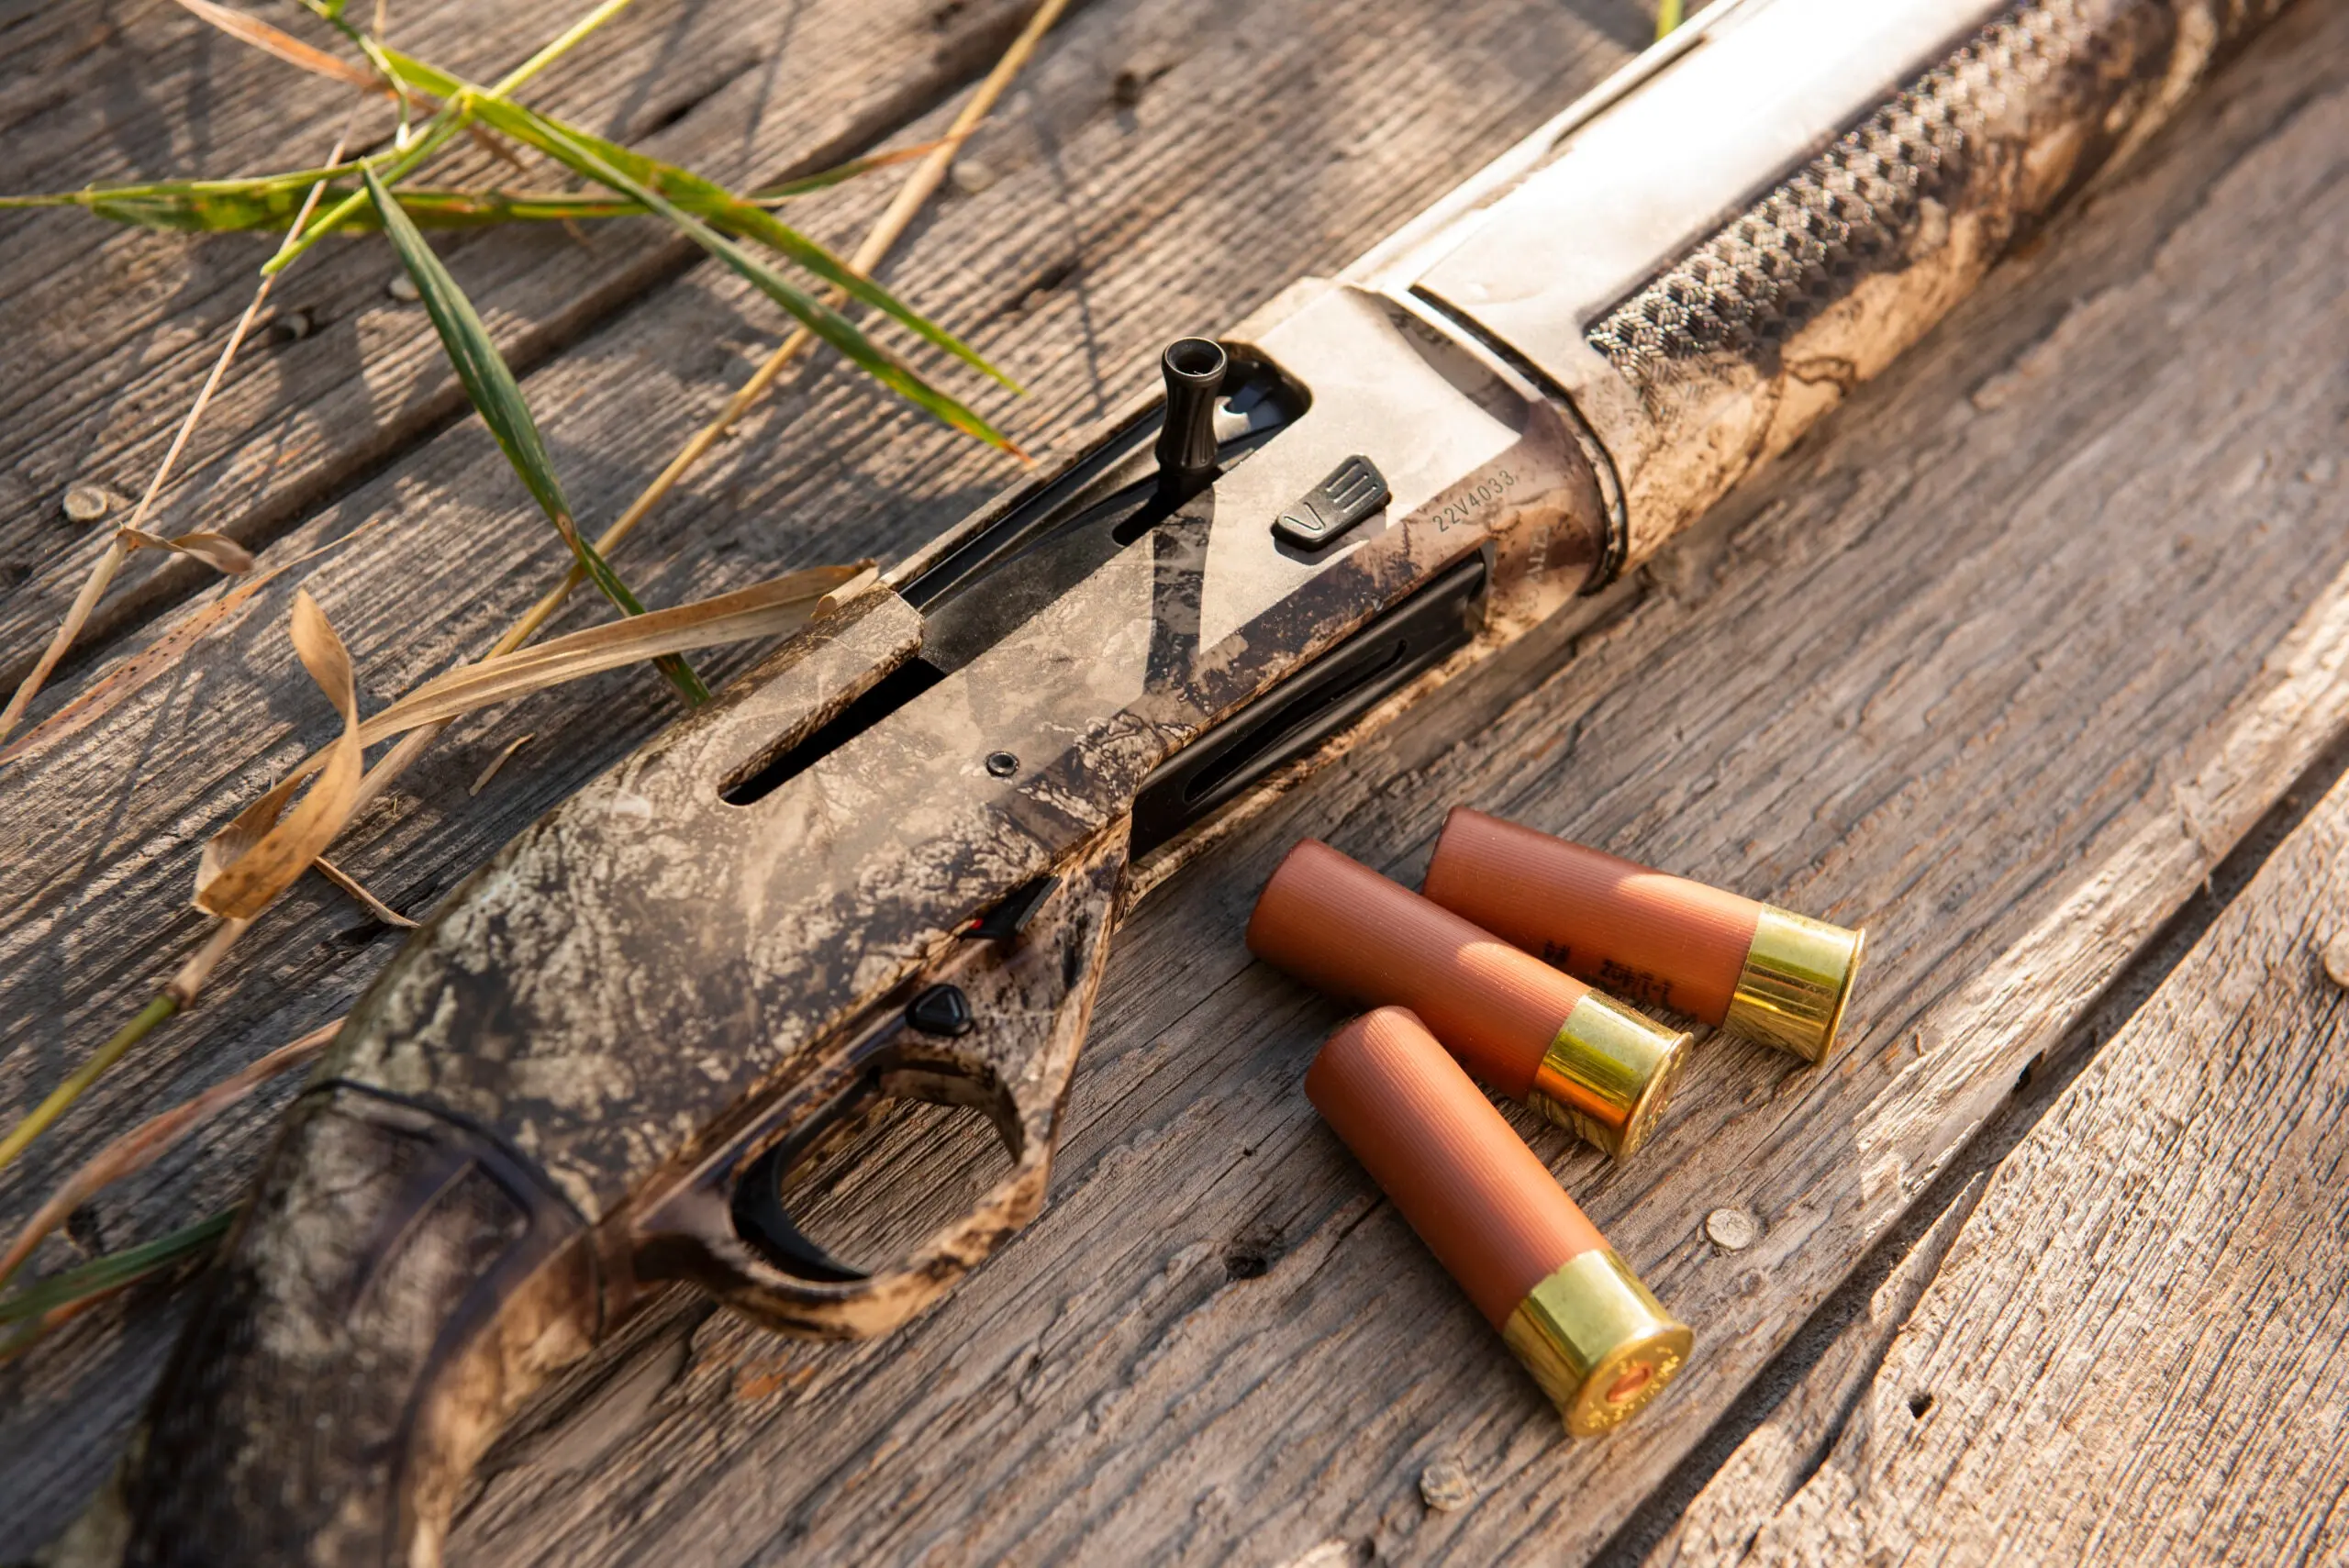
x=1797, y=979
x=1597, y=1341
x=1608, y=1074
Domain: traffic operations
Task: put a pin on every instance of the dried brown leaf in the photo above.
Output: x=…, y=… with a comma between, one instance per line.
x=257, y=856
x=253, y=30
x=217, y=550
x=767, y=609
x=771, y=608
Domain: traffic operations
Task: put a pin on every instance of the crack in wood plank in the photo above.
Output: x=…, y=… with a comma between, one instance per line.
x=2133, y=1351
x=1782, y=1429
x=1788, y=1445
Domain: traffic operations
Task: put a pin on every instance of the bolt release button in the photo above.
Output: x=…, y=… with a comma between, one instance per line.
x=1353, y=490
x=941, y=1010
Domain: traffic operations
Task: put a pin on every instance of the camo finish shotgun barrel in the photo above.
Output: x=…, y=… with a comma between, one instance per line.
x=1860, y=220
x=1551, y=372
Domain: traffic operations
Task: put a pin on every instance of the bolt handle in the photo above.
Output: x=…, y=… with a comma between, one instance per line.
x=1194, y=368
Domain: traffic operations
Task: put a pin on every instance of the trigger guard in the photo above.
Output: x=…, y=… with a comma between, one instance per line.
x=757, y=1206
x=761, y=1220
x=723, y=1225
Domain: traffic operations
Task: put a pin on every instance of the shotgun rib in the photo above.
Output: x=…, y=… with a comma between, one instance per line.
x=888, y=862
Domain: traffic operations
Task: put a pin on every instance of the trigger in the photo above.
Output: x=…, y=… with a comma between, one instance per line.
x=760, y=1219
x=1003, y=924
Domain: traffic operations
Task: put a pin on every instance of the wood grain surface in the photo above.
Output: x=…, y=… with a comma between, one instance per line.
x=1781, y=1429
x=2133, y=1352
x=1785, y=1450
x=2000, y=663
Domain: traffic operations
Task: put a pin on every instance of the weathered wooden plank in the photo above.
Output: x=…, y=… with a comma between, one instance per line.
x=111, y=331
x=1780, y=1454
x=2133, y=1352
x=1219, y=1238
x=2001, y=664
x=1783, y=1425
x=1116, y=218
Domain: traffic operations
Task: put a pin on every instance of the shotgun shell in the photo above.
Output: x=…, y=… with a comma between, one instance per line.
x=1757, y=970
x=1593, y=1337
x=1581, y=1060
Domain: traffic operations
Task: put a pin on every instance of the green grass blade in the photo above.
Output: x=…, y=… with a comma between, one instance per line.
x=482, y=369
x=713, y=203
x=682, y=190
x=204, y=214
x=826, y=323
x=269, y=202
x=825, y=179
x=478, y=210
x=115, y=1270
x=270, y=207
x=452, y=117
x=561, y=46
x=195, y=203
x=497, y=397
x=257, y=201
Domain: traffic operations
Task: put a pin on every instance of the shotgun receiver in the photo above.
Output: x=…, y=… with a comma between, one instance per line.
x=889, y=859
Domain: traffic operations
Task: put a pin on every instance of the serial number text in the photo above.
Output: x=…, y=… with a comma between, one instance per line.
x=1457, y=513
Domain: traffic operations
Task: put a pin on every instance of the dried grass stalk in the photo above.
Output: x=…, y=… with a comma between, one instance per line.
x=481, y=780
x=151, y=1139
x=909, y=199
x=110, y=690
x=259, y=34
x=93, y=587
x=352, y=885
x=771, y=608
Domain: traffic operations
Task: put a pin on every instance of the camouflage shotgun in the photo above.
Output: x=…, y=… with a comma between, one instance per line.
x=887, y=862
